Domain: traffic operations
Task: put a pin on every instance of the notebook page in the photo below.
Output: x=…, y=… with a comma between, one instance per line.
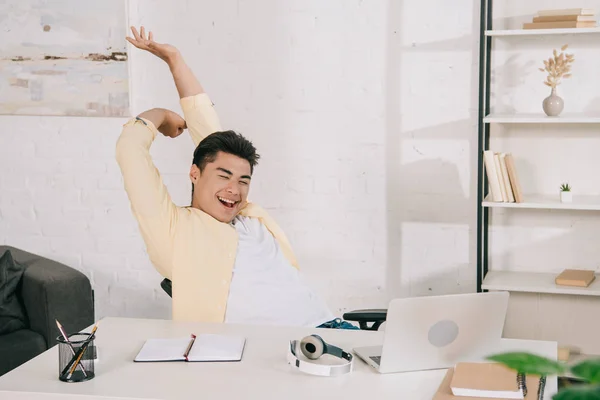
x=163, y=350
x=212, y=347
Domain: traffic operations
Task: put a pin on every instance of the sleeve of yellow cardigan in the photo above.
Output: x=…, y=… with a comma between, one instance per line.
x=200, y=116
x=151, y=204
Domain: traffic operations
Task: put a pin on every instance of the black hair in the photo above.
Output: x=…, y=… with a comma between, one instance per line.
x=229, y=142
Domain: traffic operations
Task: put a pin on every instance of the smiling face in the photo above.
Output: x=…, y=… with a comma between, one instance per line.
x=221, y=189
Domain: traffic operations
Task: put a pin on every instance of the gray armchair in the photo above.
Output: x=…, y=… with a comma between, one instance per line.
x=50, y=291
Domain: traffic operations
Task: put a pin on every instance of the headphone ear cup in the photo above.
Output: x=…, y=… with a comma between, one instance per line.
x=312, y=346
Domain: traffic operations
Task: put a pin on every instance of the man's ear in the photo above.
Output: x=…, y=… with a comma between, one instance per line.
x=194, y=173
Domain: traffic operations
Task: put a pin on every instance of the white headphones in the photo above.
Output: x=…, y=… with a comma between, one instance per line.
x=313, y=347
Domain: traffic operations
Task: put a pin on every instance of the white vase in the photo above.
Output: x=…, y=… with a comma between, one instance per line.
x=566, y=197
x=553, y=104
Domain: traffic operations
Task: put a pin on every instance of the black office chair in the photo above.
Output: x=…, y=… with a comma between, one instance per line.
x=363, y=317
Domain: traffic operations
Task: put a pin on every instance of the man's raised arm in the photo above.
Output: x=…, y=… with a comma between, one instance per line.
x=198, y=109
x=150, y=202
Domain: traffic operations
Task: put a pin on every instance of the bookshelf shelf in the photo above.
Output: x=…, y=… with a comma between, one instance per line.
x=533, y=32
x=534, y=282
x=539, y=118
x=536, y=201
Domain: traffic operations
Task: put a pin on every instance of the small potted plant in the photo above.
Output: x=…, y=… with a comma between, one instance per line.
x=566, y=196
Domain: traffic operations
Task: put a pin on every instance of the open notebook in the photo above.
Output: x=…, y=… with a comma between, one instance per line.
x=205, y=347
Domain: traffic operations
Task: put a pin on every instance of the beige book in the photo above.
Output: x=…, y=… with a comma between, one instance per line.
x=563, y=353
x=500, y=177
x=559, y=18
x=445, y=391
x=505, y=177
x=485, y=380
x=567, y=11
x=559, y=25
x=575, y=277
x=492, y=175
x=514, y=179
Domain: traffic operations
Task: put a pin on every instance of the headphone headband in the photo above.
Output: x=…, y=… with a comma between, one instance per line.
x=318, y=369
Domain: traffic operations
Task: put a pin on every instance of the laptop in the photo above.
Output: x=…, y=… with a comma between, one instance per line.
x=436, y=332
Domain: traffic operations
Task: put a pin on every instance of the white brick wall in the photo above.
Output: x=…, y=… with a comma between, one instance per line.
x=364, y=116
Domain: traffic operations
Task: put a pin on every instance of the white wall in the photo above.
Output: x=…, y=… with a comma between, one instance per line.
x=364, y=113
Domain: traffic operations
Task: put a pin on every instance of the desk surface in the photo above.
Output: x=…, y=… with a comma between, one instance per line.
x=263, y=372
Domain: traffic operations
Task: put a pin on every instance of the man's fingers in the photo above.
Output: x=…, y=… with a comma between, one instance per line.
x=150, y=36
x=143, y=33
x=136, y=43
x=136, y=35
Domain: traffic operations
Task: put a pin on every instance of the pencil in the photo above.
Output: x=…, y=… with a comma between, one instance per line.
x=187, y=351
x=75, y=360
x=63, y=333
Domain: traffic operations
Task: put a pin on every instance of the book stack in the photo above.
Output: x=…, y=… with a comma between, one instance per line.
x=563, y=18
x=502, y=177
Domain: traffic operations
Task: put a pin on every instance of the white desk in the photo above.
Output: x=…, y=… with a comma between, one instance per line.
x=262, y=374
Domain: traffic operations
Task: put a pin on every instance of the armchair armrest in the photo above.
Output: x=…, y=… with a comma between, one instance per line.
x=53, y=291
x=376, y=316
x=167, y=286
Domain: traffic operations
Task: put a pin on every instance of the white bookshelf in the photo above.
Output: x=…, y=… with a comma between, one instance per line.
x=534, y=282
x=580, y=202
x=541, y=118
x=538, y=32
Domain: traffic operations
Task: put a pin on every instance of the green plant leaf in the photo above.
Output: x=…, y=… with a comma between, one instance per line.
x=579, y=392
x=528, y=363
x=588, y=370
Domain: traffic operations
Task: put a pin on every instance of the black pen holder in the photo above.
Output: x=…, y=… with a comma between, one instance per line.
x=79, y=351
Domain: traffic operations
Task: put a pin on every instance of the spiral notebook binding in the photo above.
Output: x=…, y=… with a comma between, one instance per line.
x=522, y=383
x=541, y=387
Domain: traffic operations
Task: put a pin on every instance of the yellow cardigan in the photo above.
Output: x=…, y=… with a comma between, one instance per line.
x=186, y=245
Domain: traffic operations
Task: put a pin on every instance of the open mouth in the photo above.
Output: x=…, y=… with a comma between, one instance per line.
x=226, y=202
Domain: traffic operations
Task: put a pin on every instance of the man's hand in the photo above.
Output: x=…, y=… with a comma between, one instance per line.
x=164, y=51
x=166, y=121
x=186, y=82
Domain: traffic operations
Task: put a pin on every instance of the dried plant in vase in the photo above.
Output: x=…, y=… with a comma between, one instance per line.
x=558, y=67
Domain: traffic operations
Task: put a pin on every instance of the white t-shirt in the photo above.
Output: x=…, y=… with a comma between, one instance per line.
x=265, y=287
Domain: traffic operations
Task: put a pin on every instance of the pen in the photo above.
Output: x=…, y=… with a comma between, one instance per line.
x=75, y=360
x=62, y=332
x=187, y=351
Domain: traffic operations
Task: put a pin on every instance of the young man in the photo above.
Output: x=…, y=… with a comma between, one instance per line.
x=227, y=258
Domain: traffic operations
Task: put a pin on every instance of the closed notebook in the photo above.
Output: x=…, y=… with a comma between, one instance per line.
x=575, y=277
x=205, y=347
x=446, y=388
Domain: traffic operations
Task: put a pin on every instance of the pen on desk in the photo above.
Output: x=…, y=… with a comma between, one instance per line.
x=64, y=335
x=76, y=358
x=189, y=348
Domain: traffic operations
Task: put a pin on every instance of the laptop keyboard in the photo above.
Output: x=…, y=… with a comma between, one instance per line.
x=376, y=359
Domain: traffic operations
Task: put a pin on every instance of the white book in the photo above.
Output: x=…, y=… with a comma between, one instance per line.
x=567, y=11
x=204, y=347
x=492, y=175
